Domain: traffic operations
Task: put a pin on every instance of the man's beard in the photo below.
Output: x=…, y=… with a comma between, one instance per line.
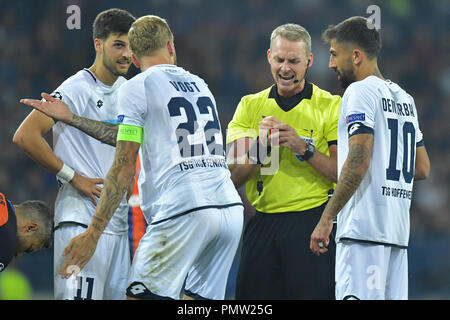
x=346, y=77
x=110, y=66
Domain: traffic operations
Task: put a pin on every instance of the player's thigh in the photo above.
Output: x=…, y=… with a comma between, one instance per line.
x=397, y=279
x=88, y=284
x=165, y=254
x=119, y=257
x=209, y=274
x=361, y=270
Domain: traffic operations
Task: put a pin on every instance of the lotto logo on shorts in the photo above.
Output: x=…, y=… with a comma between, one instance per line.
x=138, y=289
x=356, y=117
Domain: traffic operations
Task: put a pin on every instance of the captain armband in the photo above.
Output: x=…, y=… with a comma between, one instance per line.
x=129, y=133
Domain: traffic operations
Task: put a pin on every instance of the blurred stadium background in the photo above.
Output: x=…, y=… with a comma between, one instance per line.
x=225, y=42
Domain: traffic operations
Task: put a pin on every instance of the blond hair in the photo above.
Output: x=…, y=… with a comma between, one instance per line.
x=292, y=32
x=148, y=34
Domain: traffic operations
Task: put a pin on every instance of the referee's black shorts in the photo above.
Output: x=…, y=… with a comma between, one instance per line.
x=276, y=262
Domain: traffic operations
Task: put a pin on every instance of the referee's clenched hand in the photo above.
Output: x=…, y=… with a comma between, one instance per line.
x=284, y=135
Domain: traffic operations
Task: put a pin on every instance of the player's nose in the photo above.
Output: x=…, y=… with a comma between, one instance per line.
x=127, y=52
x=332, y=63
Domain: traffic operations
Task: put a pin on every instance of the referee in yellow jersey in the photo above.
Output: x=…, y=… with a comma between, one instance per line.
x=276, y=262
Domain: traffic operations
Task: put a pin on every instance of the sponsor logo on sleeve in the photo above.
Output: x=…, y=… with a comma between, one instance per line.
x=356, y=117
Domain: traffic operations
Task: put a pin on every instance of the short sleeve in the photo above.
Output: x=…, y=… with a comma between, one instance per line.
x=359, y=108
x=75, y=95
x=331, y=128
x=241, y=125
x=132, y=109
x=419, y=135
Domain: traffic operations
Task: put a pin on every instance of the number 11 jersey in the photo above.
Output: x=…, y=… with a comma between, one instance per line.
x=378, y=212
x=183, y=166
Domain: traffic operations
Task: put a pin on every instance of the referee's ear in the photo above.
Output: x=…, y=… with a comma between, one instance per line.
x=310, y=59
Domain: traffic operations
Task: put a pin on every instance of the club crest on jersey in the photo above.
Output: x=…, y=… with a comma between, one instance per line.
x=356, y=117
x=56, y=95
x=120, y=118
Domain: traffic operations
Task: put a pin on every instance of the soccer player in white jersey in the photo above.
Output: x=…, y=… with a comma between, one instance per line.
x=195, y=214
x=91, y=92
x=380, y=154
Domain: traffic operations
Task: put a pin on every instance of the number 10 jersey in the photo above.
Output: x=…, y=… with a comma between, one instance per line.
x=378, y=212
x=183, y=166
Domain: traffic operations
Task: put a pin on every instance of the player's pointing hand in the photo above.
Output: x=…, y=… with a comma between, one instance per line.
x=51, y=106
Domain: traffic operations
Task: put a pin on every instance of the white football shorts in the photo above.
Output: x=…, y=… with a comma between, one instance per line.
x=103, y=278
x=194, y=251
x=371, y=271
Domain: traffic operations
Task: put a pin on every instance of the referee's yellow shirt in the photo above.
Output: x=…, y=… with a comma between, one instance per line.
x=296, y=186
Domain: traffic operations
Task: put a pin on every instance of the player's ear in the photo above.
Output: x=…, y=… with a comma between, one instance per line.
x=357, y=56
x=98, y=45
x=171, y=48
x=30, y=227
x=268, y=55
x=135, y=61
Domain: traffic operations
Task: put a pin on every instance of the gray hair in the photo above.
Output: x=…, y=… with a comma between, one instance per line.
x=292, y=32
x=39, y=212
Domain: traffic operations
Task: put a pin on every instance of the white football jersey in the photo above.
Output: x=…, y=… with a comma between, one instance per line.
x=87, y=97
x=379, y=209
x=182, y=156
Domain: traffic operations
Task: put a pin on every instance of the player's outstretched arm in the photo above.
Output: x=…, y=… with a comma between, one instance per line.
x=353, y=171
x=58, y=110
x=82, y=247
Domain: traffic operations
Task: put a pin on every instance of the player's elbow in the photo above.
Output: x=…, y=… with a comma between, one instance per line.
x=26, y=139
x=422, y=171
x=19, y=138
x=422, y=166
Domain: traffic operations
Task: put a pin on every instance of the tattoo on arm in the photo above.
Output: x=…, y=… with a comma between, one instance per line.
x=116, y=183
x=103, y=131
x=352, y=173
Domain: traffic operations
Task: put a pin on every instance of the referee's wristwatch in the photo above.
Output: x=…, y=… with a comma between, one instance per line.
x=310, y=149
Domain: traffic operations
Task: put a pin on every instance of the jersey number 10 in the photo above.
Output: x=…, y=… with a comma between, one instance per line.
x=409, y=149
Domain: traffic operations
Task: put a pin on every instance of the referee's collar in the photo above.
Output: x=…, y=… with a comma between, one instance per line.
x=289, y=103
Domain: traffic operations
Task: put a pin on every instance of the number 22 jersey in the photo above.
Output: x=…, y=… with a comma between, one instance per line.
x=378, y=212
x=183, y=166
